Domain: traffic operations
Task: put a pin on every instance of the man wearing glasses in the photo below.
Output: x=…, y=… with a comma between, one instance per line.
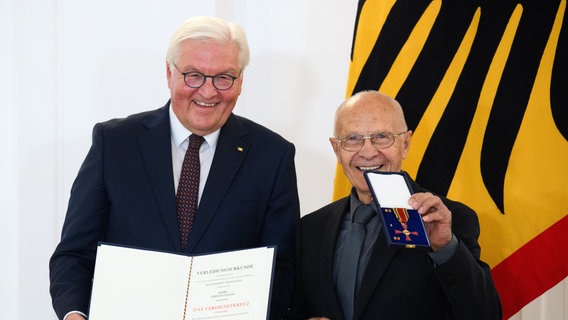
x=141, y=186
x=447, y=282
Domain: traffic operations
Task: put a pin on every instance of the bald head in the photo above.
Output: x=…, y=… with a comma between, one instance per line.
x=377, y=121
x=373, y=105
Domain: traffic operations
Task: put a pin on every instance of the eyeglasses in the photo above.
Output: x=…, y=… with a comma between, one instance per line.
x=194, y=79
x=380, y=140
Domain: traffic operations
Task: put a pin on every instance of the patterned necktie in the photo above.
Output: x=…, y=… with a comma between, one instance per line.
x=349, y=260
x=188, y=188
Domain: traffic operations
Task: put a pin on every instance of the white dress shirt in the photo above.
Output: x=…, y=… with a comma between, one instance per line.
x=180, y=141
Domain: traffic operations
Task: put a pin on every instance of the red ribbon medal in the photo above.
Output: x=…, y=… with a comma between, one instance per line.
x=402, y=217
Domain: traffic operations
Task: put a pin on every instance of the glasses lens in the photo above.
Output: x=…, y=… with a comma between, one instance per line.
x=382, y=140
x=223, y=81
x=352, y=142
x=194, y=79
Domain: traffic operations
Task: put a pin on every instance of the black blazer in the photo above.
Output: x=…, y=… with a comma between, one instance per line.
x=124, y=193
x=399, y=283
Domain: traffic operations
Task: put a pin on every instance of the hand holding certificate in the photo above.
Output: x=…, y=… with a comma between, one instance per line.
x=142, y=284
x=403, y=224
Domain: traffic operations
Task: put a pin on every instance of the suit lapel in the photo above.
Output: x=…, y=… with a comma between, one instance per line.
x=232, y=148
x=379, y=261
x=332, y=224
x=155, y=145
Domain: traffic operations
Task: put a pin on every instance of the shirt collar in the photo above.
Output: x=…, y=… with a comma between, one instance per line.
x=354, y=203
x=180, y=133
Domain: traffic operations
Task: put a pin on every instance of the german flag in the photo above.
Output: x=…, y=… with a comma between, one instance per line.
x=484, y=87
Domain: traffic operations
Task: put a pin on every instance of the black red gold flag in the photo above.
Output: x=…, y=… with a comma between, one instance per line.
x=484, y=87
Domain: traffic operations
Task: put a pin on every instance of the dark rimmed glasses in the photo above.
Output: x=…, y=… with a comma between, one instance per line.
x=195, y=79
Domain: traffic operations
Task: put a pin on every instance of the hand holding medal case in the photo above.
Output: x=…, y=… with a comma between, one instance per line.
x=402, y=224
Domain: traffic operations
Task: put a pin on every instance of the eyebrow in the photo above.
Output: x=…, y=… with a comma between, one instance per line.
x=190, y=68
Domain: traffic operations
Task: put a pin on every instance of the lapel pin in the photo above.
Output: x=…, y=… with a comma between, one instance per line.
x=240, y=149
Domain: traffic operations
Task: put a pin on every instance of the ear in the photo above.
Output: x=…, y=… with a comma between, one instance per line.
x=336, y=147
x=169, y=75
x=406, y=143
x=239, y=83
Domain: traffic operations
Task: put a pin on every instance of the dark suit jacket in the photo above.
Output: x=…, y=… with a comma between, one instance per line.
x=399, y=283
x=124, y=193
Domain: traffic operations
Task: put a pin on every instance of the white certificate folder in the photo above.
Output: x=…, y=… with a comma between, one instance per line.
x=132, y=283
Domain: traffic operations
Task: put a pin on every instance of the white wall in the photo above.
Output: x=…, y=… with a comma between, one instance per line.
x=66, y=65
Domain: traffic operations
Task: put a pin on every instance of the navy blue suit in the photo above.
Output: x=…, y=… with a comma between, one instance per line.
x=124, y=193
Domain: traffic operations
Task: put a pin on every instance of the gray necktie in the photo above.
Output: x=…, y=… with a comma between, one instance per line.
x=349, y=261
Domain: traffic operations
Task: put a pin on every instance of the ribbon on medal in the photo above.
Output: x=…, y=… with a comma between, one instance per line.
x=402, y=217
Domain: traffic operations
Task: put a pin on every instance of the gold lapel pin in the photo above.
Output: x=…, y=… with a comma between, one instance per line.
x=240, y=149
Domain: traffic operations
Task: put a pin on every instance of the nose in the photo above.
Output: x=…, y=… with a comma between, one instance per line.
x=368, y=150
x=208, y=90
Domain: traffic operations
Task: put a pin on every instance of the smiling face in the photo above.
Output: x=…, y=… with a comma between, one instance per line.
x=365, y=114
x=205, y=109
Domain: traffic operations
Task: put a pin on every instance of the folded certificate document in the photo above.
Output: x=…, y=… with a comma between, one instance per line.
x=403, y=225
x=140, y=284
